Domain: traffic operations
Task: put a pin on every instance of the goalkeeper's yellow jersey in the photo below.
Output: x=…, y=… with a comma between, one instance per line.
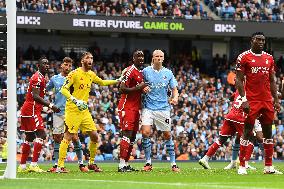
x=78, y=84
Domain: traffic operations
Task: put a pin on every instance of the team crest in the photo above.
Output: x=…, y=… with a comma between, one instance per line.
x=164, y=77
x=253, y=60
x=266, y=61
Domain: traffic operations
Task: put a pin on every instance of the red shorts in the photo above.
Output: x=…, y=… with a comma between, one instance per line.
x=263, y=108
x=129, y=120
x=30, y=124
x=230, y=128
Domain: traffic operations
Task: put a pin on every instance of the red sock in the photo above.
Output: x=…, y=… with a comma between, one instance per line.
x=213, y=148
x=37, y=148
x=124, y=147
x=268, y=151
x=129, y=152
x=243, y=150
x=26, y=148
x=249, y=150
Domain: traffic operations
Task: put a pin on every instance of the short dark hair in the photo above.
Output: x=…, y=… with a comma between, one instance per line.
x=257, y=33
x=41, y=60
x=85, y=54
x=68, y=60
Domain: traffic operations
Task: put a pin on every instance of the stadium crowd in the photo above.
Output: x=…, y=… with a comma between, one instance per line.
x=270, y=10
x=254, y=10
x=196, y=119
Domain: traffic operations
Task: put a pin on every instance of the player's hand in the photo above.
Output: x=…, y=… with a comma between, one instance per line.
x=79, y=103
x=141, y=86
x=174, y=100
x=246, y=107
x=277, y=106
x=146, y=89
x=55, y=109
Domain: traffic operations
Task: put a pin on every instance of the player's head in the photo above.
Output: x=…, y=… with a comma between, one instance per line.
x=138, y=58
x=66, y=65
x=87, y=60
x=158, y=57
x=43, y=65
x=257, y=41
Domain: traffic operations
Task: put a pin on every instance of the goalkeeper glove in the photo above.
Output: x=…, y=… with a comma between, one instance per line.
x=79, y=103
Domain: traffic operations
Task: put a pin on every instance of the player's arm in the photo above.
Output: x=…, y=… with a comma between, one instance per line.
x=173, y=86
x=273, y=89
x=240, y=79
x=101, y=82
x=37, y=98
x=124, y=89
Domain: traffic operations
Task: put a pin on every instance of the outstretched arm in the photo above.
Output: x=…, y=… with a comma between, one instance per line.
x=240, y=78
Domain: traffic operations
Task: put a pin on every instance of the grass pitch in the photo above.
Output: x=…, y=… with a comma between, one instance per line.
x=192, y=175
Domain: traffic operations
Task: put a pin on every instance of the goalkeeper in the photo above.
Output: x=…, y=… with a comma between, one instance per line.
x=77, y=116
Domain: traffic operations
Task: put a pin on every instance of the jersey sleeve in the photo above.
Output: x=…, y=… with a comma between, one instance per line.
x=241, y=65
x=127, y=78
x=36, y=82
x=101, y=82
x=65, y=90
x=173, y=81
x=50, y=84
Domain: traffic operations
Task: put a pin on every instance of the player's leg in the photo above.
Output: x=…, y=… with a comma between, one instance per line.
x=88, y=126
x=57, y=131
x=266, y=121
x=235, y=153
x=38, y=142
x=26, y=148
x=79, y=152
x=170, y=147
x=132, y=140
x=147, y=122
x=227, y=130
x=259, y=139
x=72, y=122
x=93, y=150
x=125, y=144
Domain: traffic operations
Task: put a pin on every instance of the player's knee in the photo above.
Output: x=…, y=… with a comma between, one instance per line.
x=93, y=136
x=57, y=138
x=41, y=134
x=127, y=134
x=30, y=136
x=167, y=135
x=223, y=139
x=146, y=131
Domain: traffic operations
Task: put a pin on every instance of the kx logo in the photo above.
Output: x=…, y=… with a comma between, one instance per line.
x=31, y=20
x=227, y=28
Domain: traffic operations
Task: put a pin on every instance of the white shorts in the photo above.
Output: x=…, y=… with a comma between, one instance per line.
x=58, y=124
x=257, y=126
x=161, y=119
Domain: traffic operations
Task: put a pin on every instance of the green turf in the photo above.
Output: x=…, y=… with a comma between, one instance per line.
x=191, y=176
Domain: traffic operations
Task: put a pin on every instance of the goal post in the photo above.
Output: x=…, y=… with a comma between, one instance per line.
x=11, y=169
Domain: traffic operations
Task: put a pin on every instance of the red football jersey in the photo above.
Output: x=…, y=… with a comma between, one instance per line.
x=131, y=101
x=256, y=68
x=236, y=113
x=31, y=107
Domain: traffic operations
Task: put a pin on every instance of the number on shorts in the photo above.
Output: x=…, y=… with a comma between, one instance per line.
x=167, y=121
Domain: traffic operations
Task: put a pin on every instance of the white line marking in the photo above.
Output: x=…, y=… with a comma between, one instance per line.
x=197, y=184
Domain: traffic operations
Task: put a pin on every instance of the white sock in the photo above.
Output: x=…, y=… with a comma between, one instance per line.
x=246, y=164
x=80, y=162
x=233, y=161
x=121, y=163
x=206, y=158
x=33, y=163
x=172, y=164
x=149, y=161
x=23, y=166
